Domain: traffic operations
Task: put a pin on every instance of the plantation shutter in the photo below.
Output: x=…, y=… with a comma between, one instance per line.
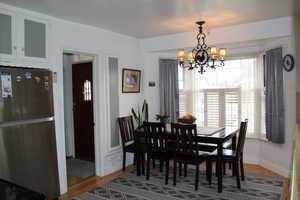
x=232, y=108
x=212, y=109
x=182, y=103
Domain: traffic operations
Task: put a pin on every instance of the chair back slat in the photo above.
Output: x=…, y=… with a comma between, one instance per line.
x=155, y=136
x=242, y=137
x=185, y=139
x=126, y=129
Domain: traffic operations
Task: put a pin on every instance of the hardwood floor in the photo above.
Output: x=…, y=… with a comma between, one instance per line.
x=93, y=182
x=73, y=180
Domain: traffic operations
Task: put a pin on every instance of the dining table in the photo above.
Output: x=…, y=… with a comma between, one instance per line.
x=205, y=135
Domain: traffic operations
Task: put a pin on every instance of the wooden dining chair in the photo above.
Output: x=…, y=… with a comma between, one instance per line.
x=233, y=156
x=127, y=137
x=186, y=149
x=156, y=140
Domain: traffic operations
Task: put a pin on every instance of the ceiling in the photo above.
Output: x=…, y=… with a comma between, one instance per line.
x=149, y=18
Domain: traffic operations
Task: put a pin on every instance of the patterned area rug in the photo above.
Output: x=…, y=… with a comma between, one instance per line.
x=132, y=187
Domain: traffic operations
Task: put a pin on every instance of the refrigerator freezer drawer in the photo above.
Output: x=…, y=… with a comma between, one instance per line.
x=28, y=157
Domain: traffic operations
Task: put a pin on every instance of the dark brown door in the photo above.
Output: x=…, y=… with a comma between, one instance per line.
x=83, y=111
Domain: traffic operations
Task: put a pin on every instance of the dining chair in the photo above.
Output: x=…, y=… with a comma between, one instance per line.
x=156, y=140
x=233, y=156
x=186, y=149
x=127, y=137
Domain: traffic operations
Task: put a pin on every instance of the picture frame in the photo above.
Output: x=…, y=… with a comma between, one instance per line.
x=131, y=80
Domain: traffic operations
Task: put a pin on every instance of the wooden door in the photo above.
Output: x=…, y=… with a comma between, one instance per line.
x=83, y=111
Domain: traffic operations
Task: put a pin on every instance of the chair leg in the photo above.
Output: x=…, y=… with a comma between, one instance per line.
x=232, y=168
x=174, y=173
x=197, y=177
x=242, y=169
x=153, y=163
x=237, y=174
x=124, y=160
x=185, y=170
x=180, y=169
x=216, y=168
x=134, y=159
x=167, y=172
x=209, y=170
x=148, y=168
x=143, y=163
x=138, y=164
x=161, y=165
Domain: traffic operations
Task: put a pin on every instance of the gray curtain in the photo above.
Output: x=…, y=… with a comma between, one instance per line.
x=168, y=85
x=275, y=118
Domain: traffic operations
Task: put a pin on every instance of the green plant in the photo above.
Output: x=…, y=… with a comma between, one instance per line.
x=140, y=117
x=162, y=118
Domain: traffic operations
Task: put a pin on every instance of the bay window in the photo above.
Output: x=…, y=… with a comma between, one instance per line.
x=226, y=95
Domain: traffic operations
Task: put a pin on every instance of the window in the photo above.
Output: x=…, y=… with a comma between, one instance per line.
x=87, y=92
x=225, y=96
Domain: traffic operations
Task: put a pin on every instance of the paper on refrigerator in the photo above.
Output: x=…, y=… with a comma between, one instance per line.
x=6, y=85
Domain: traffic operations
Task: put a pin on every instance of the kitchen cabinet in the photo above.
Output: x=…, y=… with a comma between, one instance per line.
x=7, y=35
x=23, y=39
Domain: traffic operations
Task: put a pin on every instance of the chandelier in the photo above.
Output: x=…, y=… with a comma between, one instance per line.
x=202, y=56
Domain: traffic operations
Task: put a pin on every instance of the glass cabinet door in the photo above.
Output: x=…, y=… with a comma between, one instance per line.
x=6, y=33
x=35, y=39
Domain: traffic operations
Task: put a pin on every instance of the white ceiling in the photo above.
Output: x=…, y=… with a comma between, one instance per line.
x=148, y=18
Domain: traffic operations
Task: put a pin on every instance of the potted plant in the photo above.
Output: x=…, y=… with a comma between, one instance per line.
x=162, y=118
x=140, y=117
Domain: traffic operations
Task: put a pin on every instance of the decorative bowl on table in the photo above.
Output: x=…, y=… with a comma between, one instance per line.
x=187, y=119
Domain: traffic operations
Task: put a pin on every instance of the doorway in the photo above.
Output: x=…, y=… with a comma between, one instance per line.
x=79, y=117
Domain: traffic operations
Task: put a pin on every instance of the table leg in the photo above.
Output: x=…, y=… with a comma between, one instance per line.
x=219, y=167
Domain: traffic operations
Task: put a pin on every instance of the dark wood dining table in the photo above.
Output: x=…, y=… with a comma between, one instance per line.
x=217, y=136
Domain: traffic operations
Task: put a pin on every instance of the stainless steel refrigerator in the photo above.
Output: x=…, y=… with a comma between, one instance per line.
x=27, y=133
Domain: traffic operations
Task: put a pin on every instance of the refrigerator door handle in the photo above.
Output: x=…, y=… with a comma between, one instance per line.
x=24, y=122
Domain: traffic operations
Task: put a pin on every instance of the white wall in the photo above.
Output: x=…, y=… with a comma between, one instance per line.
x=68, y=105
x=262, y=36
x=71, y=36
x=101, y=43
x=274, y=156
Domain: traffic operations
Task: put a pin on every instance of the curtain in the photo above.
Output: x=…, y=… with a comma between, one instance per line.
x=252, y=96
x=227, y=95
x=168, y=85
x=275, y=125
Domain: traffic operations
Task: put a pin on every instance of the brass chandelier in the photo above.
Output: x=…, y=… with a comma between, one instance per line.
x=202, y=56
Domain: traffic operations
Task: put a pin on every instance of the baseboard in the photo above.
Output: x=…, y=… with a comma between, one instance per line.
x=251, y=160
x=275, y=168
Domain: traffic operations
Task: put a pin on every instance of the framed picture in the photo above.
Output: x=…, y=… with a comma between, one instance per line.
x=131, y=81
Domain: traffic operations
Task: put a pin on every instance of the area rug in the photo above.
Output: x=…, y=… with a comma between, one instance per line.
x=132, y=187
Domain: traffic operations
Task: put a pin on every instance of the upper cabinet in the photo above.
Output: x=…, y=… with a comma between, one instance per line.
x=24, y=40
x=7, y=35
x=34, y=39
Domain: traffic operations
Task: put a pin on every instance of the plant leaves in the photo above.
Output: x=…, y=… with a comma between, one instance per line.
x=134, y=114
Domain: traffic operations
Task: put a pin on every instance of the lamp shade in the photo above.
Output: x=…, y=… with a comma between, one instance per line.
x=222, y=53
x=191, y=56
x=213, y=52
x=181, y=55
